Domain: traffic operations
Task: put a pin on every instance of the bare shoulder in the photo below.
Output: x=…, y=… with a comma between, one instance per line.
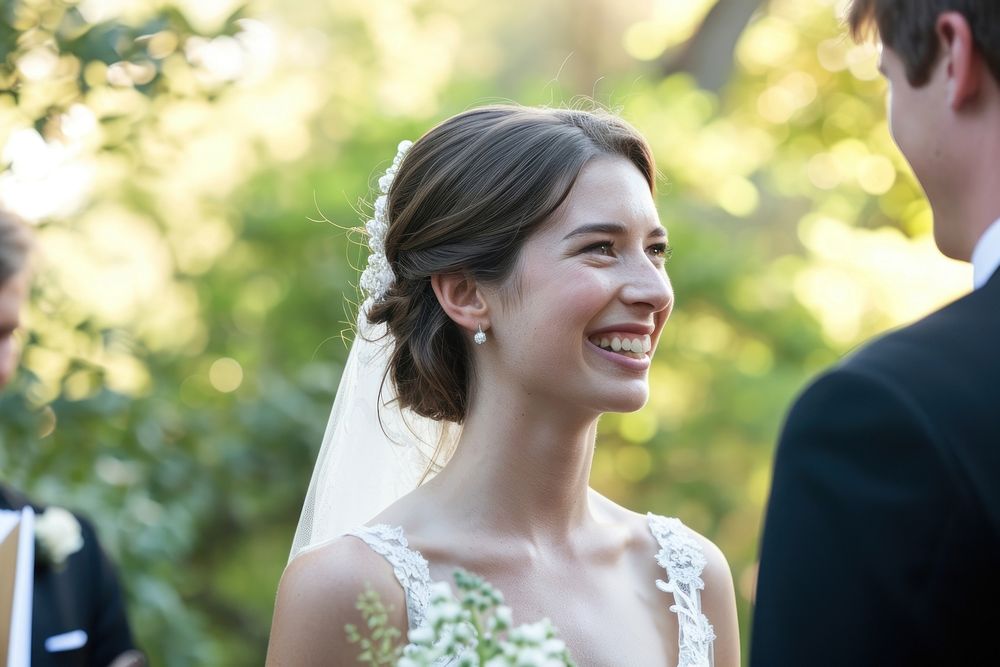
x=329, y=573
x=317, y=598
x=719, y=590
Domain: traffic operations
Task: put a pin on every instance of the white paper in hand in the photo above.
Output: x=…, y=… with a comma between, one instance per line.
x=17, y=569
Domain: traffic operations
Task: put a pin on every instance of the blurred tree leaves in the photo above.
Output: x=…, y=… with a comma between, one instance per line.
x=186, y=327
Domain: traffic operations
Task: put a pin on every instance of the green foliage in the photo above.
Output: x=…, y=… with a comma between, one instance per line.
x=381, y=643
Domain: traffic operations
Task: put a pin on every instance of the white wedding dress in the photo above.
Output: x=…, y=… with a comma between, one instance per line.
x=680, y=555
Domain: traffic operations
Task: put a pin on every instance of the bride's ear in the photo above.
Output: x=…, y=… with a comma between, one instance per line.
x=461, y=300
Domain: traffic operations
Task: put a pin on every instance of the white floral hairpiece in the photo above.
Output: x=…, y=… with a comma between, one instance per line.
x=378, y=277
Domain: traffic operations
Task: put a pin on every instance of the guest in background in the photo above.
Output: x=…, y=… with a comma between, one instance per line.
x=78, y=613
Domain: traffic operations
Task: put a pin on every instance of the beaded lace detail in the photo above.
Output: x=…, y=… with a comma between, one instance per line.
x=408, y=565
x=681, y=556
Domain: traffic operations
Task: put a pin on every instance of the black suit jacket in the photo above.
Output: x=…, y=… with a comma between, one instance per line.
x=83, y=595
x=881, y=542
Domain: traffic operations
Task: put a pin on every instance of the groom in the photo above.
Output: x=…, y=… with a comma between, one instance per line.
x=881, y=543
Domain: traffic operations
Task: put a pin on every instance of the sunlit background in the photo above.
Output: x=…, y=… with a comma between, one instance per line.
x=191, y=168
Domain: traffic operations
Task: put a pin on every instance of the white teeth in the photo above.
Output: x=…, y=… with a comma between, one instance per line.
x=634, y=347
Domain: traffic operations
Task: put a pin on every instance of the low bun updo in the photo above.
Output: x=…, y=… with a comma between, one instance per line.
x=464, y=199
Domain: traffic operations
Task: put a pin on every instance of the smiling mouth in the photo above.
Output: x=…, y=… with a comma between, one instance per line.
x=627, y=345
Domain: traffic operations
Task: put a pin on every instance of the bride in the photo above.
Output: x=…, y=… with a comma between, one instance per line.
x=517, y=274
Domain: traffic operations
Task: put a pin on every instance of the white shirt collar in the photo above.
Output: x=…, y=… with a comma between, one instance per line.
x=986, y=256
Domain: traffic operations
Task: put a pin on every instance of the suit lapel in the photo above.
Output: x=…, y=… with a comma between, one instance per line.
x=993, y=284
x=10, y=499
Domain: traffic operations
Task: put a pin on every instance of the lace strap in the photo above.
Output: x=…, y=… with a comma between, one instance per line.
x=408, y=565
x=681, y=556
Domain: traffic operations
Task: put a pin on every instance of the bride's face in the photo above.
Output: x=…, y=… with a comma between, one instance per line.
x=594, y=296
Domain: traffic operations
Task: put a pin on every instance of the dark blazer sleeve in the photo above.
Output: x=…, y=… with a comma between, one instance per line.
x=861, y=511
x=111, y=634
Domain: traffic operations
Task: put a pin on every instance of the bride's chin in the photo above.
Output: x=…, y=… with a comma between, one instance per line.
x=625, y=401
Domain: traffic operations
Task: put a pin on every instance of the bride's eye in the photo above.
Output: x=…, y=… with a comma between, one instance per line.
x=661, y=250
x=605, y=248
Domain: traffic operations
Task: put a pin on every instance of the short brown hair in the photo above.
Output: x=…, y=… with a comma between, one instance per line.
x=908, y=27
x=466, y=197
x=15, y=244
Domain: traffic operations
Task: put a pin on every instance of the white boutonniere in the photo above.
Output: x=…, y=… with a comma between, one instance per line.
x=58, y=535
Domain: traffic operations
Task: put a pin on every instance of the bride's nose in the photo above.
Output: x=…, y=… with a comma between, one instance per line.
x=649, y=285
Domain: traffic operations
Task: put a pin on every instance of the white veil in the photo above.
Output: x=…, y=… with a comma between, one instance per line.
x=373, y=452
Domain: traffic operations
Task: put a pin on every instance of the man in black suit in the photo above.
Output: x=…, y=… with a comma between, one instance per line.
x=78, y=613
x=881, y=542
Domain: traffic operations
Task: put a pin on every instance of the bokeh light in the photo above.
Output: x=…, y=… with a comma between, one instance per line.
x=226, y=375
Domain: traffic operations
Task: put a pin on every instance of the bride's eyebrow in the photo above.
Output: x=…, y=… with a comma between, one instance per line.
x=612, y=228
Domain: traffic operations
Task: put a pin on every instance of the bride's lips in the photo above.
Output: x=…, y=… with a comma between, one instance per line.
x=636, y=365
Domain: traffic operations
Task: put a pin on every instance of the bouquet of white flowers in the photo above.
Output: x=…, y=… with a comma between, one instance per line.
x=473, y=631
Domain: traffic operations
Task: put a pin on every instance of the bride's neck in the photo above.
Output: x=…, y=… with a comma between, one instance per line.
x=520, y=468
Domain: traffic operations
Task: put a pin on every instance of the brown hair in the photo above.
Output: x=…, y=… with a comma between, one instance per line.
x=908, y=27
x=464, y=200
x=15, y=244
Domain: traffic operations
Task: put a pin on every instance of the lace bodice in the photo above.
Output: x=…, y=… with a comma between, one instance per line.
x=407, y=564
x=680, y=556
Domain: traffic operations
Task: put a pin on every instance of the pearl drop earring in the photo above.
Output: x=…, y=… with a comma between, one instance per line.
x=480, y=336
